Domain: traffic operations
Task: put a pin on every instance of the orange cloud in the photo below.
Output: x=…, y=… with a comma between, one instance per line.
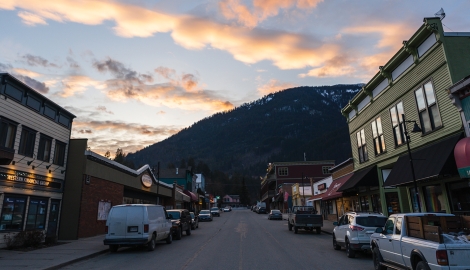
x=77, y=84
x=274, y=86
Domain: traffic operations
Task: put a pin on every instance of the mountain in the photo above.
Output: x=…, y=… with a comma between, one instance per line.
x=278, y=127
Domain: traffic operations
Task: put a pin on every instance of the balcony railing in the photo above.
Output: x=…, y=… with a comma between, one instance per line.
x=268, y=194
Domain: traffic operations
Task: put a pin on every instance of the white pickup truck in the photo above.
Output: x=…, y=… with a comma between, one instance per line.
x=422, y=241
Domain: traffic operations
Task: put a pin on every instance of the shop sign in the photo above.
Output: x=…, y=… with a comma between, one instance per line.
x=146, y=180
x=464, y=172
x=24, y=179
x=322, y=186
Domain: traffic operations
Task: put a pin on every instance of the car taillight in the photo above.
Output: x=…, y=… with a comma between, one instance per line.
x=355, y=228
x=146, y=228
x=441, y=256
x=106, y=230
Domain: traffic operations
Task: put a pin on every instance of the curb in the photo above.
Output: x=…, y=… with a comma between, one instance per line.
x=77, y=260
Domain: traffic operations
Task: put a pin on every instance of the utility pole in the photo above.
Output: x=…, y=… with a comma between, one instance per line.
x=303, y=190
x=158, y=182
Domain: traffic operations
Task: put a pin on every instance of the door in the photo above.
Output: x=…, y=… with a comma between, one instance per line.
x=340, y=232
x=396, y=256
x=53, y=218
x=386, y=240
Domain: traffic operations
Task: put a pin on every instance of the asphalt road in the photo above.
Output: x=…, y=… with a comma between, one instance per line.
x=240, y=239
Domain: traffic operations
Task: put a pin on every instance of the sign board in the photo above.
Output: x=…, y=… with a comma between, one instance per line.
x=464, y=172
x=146, y=180
x=322, y=186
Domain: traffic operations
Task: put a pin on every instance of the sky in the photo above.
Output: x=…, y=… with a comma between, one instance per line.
x=135, y=72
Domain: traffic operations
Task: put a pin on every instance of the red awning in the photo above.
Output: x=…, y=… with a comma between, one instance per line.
x=316, y=197
x=191, y=195
x=332, y=192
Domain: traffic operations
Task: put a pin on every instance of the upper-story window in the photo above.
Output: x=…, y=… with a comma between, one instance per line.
x=361, y=146
x=427, y=107
x=59, y=153
x=378, y=136
x=44, y=150
x=7, y=133
x=282, y=171
x=326, y=169
x=396, y=113
x=28, y=138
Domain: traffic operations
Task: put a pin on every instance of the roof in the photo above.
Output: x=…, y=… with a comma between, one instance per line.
x=364, y=177
x=346, y=162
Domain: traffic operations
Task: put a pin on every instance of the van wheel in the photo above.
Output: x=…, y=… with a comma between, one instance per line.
x=296, y=230
x=178, y=234
x=151, y=245
x=169, y=239
x=113, y=248
x=188, y=231
x=289, y=225
x=318, y=230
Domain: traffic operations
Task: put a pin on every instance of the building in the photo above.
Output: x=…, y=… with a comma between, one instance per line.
x=34, y=141
x=411, y=88
x=300, y=194
x=200, y=182
x=185, y=179
x=319, y=189
x=276, y=189
x=95, y=183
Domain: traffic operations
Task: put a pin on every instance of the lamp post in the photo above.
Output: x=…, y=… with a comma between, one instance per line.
x=416, y=128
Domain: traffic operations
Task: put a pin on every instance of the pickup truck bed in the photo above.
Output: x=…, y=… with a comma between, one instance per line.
x=304, y=217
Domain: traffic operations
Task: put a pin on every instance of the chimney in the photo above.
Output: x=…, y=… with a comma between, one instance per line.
x=176, y=170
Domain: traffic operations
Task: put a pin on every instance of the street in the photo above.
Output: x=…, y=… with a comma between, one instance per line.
x=240, y=239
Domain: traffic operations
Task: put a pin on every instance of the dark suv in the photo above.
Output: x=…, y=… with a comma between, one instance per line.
x=181, y=221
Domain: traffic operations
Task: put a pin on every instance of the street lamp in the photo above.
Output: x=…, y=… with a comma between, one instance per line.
x=416, y=128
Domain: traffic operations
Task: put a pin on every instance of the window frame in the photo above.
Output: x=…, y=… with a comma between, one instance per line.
x=362, y=146
x=40, y=155
x=378, y=137
x=282, y=169
x=37, y=214
x=4, y=137
x=326, y=169
x=27, y=135
x=60, y=155
x=21, y=224
x=400, y=124
x=427, y=108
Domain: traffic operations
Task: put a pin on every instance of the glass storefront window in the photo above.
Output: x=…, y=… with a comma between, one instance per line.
x=376, y=205
x=12, y=213
x=414, y=200
x=36, y=214
x=434, y=199
x=393, y=203
x=460, y=196
x=364, y=203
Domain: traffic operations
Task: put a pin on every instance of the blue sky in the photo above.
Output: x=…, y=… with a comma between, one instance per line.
x=136, y=72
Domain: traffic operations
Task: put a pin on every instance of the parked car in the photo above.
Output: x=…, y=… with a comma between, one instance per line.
x=261, y=210
x=275, y=214
x=194, y=221
x=353, y=231
x=304, y=217
x=205, y=215
x=422, y=241
x=226, y=209
x=215, y=211
x=181, y=221
x=137, y=224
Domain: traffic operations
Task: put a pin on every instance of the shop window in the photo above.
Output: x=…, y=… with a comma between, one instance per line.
x=378, y=136
x=12, y=213
x=361, y=146
x=414, y=200
x=7, y=133
x=396, y=115
x=283, y=171
x=393, y=203
x=27, y=140
x=434, y=199
x=376, y=205
x=44, y=150
x=364, y=203
x=37, y=214
x=459, y=196
x=427, y=107
x=59, y=153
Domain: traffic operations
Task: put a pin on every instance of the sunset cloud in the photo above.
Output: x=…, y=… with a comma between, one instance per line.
x=77, y=85
x=33, y=60
x=274, y=86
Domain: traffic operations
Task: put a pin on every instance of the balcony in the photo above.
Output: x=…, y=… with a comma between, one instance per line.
x=6, y=155
x=268, y=194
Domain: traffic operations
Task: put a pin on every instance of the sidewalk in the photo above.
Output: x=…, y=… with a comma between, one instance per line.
x=53, y=257
x=327, y=225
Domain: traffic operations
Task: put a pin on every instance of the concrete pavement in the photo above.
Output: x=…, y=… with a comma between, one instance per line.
x=53, y=257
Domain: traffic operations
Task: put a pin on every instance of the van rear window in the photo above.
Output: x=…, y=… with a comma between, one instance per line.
x=371, y=221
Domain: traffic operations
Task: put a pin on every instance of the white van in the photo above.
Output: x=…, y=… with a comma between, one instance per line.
x=137, y=224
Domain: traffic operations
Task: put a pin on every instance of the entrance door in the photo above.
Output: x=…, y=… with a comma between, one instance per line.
x=53, y=218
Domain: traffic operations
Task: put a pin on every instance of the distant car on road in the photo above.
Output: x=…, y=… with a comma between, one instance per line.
x=205, y=215
x=226, y=209
x=261, y=210
x=194, y=221
x=275, y=214
x=215, y=211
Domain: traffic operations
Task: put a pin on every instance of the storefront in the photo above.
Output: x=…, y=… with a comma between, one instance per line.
x=334, y=204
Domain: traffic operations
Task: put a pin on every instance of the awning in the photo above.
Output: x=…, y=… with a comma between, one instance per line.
x=366, y=177
x=430, y=161
x=316, y=197
x=332, y=192
x=191, y=195
x=180, y=196
x=462, y=157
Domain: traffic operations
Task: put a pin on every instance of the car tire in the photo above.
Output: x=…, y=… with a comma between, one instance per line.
x=351, y=253
x=169, y=239
x=377, y=258
x=289, y=225
x=151, y=245
x=197, y=226
x=296, y=230
x=335, y=244
x=422, y=266
x=188, y=231
x=113, y=248
x=318, y=230
x=178, y=234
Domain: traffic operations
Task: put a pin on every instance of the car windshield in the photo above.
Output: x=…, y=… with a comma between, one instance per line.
x=214, y=209
x=371, y=221
x=275, y=211
x=204, y=212
x=174, y=215
x=192, y=214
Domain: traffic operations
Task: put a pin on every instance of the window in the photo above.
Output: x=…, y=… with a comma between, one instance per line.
x=458, y=192
x=283, y=171
x=427, y=107
x=44, y=151
x=36, y=214
x=364, y=203
x=361, y=146
x=388, y=228
x=7, y=133
x=377, y=134
x=398, y=226
x=326, y=169
x=434, y=199
x=59, y=153
x=414, y=200
x=27, y=140
x=396, y=115
x=12, y=213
